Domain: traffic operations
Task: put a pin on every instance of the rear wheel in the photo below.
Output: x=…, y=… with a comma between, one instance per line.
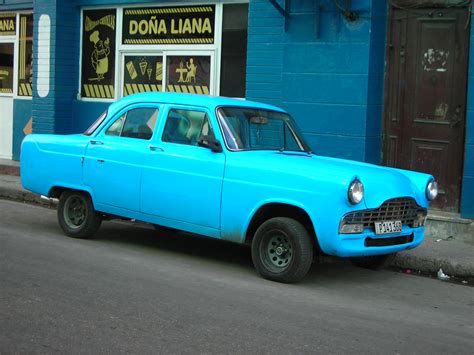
x=374, y=262
x=282, y=250
x=76, y=215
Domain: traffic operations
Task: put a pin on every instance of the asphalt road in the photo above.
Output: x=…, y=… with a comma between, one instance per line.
x=135, y=290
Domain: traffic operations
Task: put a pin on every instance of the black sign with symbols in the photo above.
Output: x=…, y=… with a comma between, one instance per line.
x=142, y=73
x=98, y=53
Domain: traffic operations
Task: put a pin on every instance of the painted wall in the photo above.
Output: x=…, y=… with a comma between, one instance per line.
x=326, y=71
x=7, y=5
x=21, y=117
x=467, y=197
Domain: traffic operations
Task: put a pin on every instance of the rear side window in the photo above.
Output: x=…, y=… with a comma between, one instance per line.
x=186, y=126
x=138, y=123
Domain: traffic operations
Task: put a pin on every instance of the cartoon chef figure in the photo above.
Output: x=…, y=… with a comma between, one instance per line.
x=99, y=57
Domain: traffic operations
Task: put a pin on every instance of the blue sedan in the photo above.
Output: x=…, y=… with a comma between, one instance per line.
x=229, y=169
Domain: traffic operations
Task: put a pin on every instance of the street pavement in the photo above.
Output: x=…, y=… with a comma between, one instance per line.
x=133, y=289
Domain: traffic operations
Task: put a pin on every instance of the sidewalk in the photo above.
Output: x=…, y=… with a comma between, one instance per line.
x=455, y=257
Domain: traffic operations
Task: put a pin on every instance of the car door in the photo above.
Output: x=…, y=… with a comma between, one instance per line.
x=182, y=181
x=112, y=164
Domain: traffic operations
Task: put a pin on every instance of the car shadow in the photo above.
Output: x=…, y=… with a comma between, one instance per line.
x=328, y=271
x=144, y=235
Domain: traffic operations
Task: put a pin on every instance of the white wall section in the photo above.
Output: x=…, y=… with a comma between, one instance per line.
x=44, y=55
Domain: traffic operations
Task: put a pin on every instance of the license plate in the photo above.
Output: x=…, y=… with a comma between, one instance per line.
x=388, y=227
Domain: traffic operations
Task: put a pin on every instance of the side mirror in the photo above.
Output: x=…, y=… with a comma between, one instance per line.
x=211, y=143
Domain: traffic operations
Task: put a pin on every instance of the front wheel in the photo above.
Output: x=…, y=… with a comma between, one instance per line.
x=282, y=250
x=76, y=215
x=374, y=262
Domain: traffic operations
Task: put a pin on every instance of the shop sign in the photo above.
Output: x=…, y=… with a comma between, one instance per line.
x=98, y=54
x=169, y=25
x=25, y=63
x=7, y=24
x=188, y=74
x=142, y=73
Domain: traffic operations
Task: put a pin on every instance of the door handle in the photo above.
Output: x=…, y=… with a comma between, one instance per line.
x=101, y=161
x=96, y=142
x=155, y=148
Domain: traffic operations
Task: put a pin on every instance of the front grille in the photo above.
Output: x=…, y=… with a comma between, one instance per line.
x=399, y=209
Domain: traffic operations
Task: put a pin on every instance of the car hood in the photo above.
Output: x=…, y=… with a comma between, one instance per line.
x=380, y=182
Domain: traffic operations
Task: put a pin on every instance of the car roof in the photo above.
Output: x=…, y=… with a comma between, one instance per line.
x=210, y=102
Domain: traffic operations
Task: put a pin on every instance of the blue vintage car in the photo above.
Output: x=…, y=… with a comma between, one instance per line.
x=228, y=169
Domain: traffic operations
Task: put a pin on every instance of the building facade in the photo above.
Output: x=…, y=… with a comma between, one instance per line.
x=383, y=81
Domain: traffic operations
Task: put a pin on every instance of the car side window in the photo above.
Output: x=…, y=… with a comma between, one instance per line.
x=115, y=128
x=186, y=126
x=136, y=123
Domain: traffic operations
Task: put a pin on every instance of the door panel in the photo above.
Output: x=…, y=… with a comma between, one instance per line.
x=6, y=127
x=182, y=181
x=111, y=170
x=426, y=96
x=114, y=157
x=7, y=60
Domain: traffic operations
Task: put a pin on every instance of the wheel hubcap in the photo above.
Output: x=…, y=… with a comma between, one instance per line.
x=75, y=212
x=276, y=251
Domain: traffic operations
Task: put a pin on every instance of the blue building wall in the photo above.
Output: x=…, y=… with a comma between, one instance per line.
x=326, y=71
x=467, y=197
x=13, y=5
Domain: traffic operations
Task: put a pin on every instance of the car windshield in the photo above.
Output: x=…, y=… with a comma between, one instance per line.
x=256, y=129
x=96, y=124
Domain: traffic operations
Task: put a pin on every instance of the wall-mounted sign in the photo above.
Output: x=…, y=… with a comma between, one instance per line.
x=142, y=73
x=169, y=25
x=98, y=53
x=189, y=74
x=7, y=24
x=25, y=62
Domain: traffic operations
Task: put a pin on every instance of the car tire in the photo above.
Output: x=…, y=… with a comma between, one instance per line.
x=282, y=250
x=374, y=262
x=77, y=216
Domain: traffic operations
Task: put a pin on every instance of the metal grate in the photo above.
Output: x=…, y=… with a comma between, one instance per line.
x=398, y=209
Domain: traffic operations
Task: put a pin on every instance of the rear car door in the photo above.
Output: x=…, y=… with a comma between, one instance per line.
x=182, y=181
x=112, y=164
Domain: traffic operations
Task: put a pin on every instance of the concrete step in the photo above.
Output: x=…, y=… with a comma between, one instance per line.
x=9, y=167
x=442, y=225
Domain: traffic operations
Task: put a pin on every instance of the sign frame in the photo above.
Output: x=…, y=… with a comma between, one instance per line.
x=153, y=49
x=165, y=54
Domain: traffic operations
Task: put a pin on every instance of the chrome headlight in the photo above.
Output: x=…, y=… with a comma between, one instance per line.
x=355, y=194
x=431, y=190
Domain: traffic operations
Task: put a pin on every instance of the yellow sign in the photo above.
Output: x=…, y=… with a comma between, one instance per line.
x=25, y=55
x=169, y=25
x=99, y=91
x=7, y=24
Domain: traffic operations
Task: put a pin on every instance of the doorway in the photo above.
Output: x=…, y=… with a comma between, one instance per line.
x=6, y=98
x=425, y=96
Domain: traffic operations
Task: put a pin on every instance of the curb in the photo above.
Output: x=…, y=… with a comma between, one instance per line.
x=405, y=260
x=22, y=196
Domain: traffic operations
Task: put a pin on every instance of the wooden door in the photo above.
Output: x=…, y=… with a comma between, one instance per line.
x=425, y=96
